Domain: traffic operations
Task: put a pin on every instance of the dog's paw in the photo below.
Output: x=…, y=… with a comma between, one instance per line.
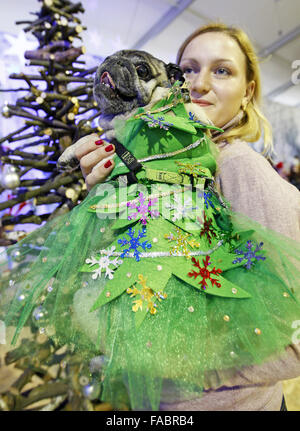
x=68, y=160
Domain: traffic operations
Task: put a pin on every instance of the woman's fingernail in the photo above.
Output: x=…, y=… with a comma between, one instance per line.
x=108, y=164
x=109, y=148
x=99, y=142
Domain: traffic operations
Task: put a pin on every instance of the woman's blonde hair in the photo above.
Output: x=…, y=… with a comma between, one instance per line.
x=254, y=122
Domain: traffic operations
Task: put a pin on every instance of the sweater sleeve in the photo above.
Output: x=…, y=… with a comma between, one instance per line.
x=283, y=368
x=254, y=188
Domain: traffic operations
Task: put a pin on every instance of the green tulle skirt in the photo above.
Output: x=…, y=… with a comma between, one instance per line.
x=188, y=337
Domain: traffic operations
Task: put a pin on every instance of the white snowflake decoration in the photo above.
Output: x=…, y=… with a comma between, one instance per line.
x=182, y=209
x=18, y=45
x=106, y=263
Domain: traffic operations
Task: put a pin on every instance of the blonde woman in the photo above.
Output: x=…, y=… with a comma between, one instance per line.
x=222, y=68
x=221, y=65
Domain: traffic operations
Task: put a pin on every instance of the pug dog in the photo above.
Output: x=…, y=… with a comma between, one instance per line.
x=130, y=79
x=125, y=81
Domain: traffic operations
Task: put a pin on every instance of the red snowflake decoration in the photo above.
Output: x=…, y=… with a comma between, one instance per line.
x=205, y=273
x=207, y=229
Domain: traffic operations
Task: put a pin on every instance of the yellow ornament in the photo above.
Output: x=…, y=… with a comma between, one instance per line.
x=145, y=296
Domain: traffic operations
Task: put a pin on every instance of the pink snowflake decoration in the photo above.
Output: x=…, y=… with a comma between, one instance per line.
x=143, y=209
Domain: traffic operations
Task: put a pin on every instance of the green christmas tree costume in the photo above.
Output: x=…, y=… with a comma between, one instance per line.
x=159, y=278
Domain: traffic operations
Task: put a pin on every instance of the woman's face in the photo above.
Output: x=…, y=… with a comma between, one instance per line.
x=215, y=66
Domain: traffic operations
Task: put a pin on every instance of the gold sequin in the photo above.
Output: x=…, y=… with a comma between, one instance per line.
x=226, y=318
x=107, y=294
x=83, y=380
x=257, y=331
x=285, y=294
x=191, y=309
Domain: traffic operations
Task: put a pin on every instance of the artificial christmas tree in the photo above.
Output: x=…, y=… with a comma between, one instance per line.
x=57, y=109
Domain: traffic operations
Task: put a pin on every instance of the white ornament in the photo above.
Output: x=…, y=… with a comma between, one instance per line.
x=9, y=177
x=181, y=209
x=104, y=263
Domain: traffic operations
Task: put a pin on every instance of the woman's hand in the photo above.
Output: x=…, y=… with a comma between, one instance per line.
x=94, y=155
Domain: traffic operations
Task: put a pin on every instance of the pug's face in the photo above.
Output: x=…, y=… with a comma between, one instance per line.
x=127, y=79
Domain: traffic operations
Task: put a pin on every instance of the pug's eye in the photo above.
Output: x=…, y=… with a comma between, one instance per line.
x=143, y=71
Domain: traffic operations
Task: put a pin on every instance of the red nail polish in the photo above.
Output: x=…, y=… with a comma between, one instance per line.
x=109, y=148
x=99, y=142
x=108, y=164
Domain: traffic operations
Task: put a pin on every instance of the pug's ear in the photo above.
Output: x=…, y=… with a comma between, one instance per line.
x=174, y=73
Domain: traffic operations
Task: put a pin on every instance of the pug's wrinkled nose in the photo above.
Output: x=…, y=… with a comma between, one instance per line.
x=126, y=79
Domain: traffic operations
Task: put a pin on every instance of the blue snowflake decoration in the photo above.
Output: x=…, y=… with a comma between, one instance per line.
x=207, y=199
x=192, y=118
x=153, y=123
x=250, y=255
x=134, y=243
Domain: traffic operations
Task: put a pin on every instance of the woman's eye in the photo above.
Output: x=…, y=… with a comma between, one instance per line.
x=188, y=70
x=222, y=71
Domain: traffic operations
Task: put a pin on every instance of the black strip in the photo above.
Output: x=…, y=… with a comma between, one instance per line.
x=283, y=407
x=127, y=157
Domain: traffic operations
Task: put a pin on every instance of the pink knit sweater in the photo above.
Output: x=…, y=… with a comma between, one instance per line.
x=254, y=188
